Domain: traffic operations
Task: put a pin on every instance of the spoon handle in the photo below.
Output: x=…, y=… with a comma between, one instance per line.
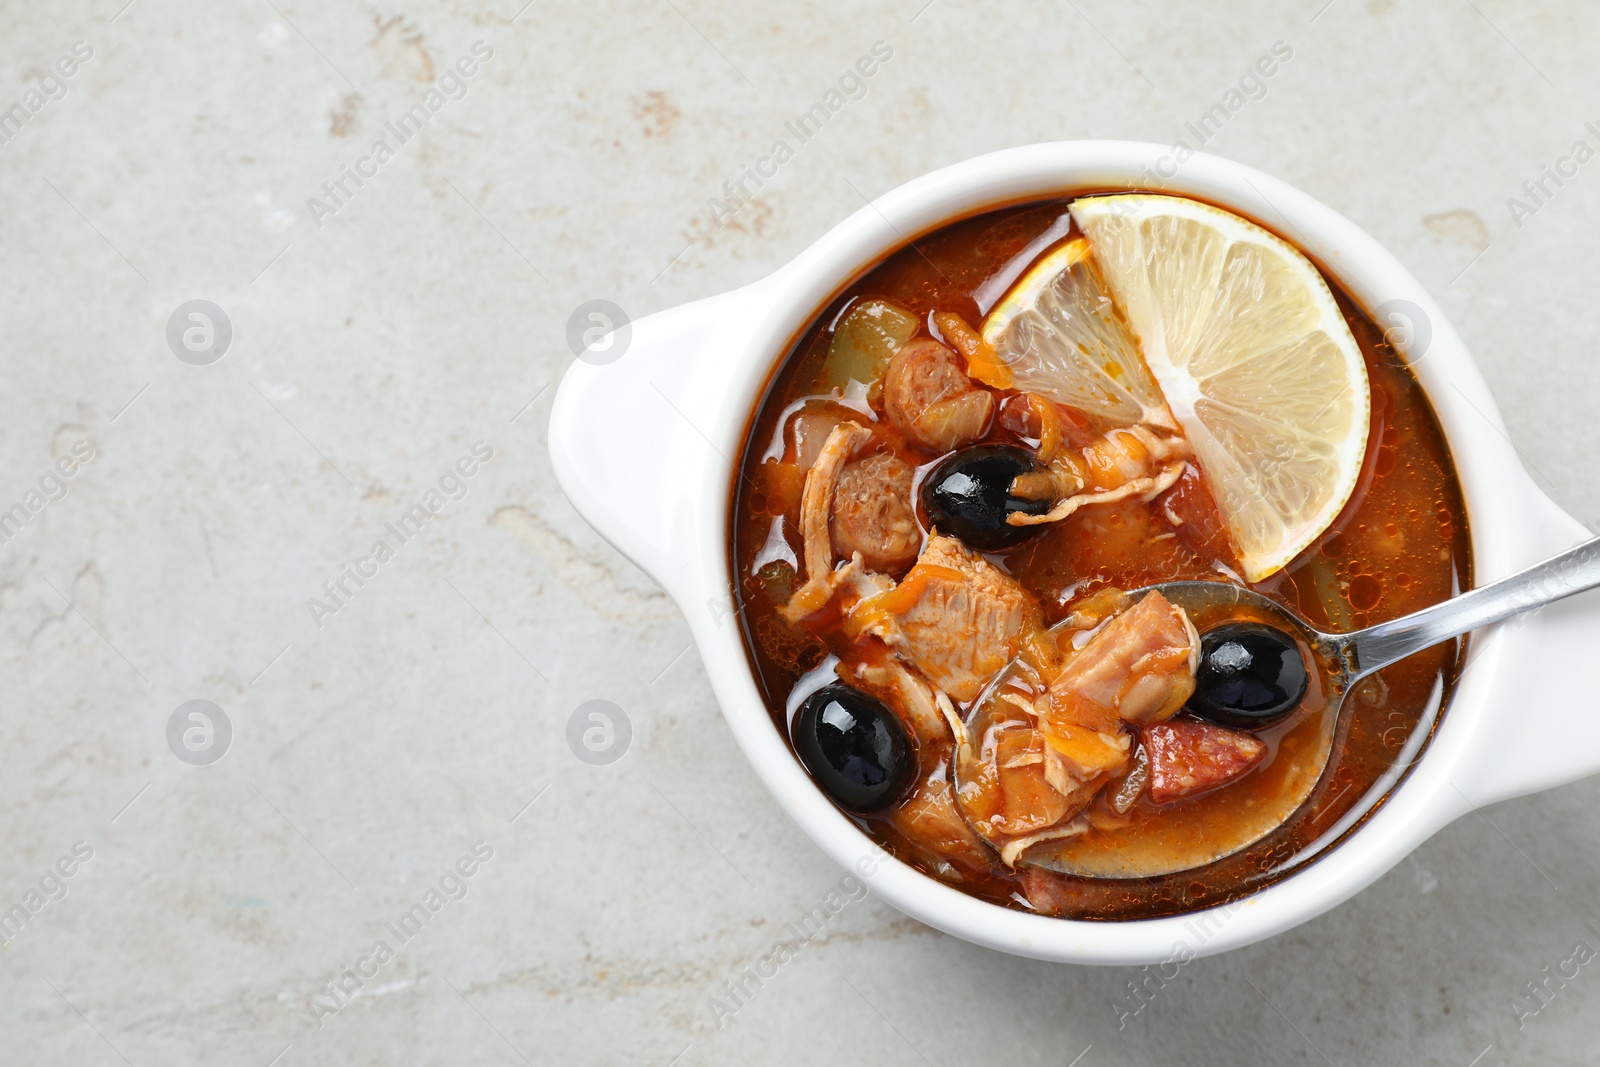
x=1573, y=571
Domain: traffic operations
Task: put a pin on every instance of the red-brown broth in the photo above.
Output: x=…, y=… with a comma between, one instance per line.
x=1400, y=544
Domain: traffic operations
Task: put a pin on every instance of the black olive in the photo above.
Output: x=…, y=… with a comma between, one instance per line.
x=854, y=747
x=1249, y=675
x=969, y=496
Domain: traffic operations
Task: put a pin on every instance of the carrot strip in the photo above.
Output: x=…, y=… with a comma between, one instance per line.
x=899, y=600
x=982, y=362
x=1050, y=431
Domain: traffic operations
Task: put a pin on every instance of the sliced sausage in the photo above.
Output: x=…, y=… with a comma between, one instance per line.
x=872, y=513
x=930, y=399
x=1188, y=758
x=1051, y=894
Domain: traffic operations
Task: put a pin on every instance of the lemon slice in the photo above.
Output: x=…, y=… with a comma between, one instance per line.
x=1254, y=358
x=1061, y=336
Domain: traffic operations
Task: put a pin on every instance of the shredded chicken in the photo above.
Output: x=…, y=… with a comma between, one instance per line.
x=1147, y=488
x=816, y=504
x=956, y=617
x=1120, y=464
x=1019, y=700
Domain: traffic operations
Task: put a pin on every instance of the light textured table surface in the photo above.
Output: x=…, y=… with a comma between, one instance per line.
x=375, y=342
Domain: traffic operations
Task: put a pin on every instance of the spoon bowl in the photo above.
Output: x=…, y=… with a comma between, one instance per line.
x=1186, y=838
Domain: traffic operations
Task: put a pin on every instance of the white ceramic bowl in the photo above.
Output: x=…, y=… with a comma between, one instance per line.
x=645, y=446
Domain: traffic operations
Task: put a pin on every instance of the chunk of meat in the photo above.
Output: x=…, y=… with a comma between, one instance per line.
x=930, y=399
x=1085, y=753
x=1188, y=758
x=1016, y=789
x=1029, y=802
x=816, y=502
x=1139, y=668
x=872, y=513
x=1052, y=894
x=925, y=711
x=929, y=819
x=956, y=617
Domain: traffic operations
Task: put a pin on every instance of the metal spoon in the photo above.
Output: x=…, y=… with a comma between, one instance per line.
x=1336, y=662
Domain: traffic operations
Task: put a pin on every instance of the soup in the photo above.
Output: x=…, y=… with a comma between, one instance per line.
x=936, y=568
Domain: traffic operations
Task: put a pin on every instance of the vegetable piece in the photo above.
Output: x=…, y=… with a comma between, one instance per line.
x=1188, y=758
x=1124, y=791
x=1024, y=414
x=982, y=363
x=864, y=341
x=810, y=430
x=785, y=482
x=1050, y=425
x=777, y=580
x=930, y=820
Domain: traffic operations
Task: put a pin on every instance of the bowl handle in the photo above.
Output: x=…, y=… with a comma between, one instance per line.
x=1545, y=729
x=639, y=438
